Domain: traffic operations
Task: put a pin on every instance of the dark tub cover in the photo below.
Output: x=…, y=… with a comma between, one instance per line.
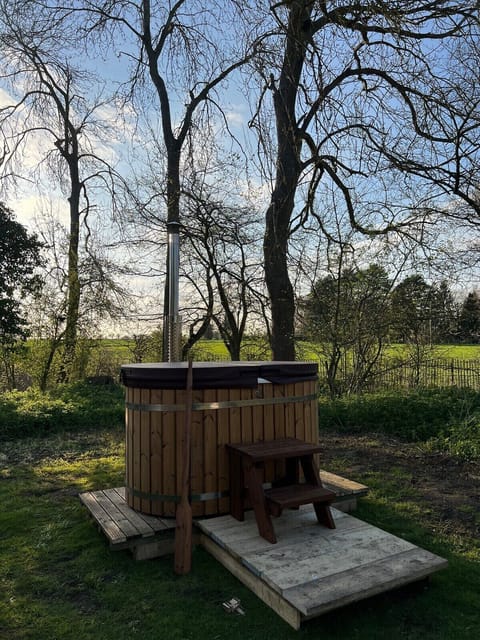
x=215, y=375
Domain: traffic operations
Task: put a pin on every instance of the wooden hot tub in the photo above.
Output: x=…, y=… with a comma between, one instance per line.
x=233, y=402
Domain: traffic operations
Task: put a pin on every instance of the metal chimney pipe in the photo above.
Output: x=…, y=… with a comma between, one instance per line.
x=172, y=323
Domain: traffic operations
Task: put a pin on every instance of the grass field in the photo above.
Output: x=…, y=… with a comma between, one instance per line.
x=311, y=351
x=60, y=581
x=104, y=357
x=217, y=349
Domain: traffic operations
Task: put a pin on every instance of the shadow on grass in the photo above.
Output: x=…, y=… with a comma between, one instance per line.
x=60, y=579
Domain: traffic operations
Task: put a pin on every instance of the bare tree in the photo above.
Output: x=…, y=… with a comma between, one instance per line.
x=182, y=53
x=221, y=240
x=53, y=107
x=369, y=100
x=102, y=297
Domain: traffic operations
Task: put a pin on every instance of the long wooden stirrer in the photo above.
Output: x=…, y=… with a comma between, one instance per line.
x=183, y=530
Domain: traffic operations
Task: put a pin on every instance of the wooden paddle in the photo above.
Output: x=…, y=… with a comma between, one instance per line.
x=183, y=530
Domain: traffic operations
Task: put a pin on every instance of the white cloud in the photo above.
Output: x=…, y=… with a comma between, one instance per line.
x=5, y=98
x=235, y=118
x=30, y=208
x=257, y=193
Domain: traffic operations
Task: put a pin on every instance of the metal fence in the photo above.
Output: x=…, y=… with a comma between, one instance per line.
x=391, y=374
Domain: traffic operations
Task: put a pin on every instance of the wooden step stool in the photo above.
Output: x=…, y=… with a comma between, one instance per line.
x=246, y=473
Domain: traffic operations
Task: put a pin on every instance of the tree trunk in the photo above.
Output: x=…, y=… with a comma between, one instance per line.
x=280, y=290
x=288, y=170
x=73, y=296
x=234, y=346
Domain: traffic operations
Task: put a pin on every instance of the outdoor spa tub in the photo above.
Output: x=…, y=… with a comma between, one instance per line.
x=232, y=402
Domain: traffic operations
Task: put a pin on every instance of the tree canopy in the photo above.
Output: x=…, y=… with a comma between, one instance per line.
x=19, y=257
x=376, y=126
x=363, y=127
x=469, y=320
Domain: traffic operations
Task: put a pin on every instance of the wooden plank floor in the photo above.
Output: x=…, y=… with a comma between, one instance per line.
x=147, y=536
x=312, y=569
x=348, y=491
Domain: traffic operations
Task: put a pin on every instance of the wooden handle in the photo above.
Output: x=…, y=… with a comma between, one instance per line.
x=183, y=530
x=187, y=433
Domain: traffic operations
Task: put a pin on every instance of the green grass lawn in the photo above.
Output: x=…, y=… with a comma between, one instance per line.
x=399, y=351
x=104, y=357
x=310, y=351
x=59, y=580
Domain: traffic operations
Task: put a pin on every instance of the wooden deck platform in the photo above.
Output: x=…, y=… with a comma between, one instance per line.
x=313, y=569
x=309, y=571
x=149, y=536
x=145, y=536
x=348, y=491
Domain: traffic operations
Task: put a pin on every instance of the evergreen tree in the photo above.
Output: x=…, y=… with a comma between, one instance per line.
x=443, y=315
x=411, y=308
x=19, y=256
x=469, y=319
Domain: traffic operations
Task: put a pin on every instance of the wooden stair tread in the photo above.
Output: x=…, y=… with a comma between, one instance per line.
x=297, y=494
x=280, y=449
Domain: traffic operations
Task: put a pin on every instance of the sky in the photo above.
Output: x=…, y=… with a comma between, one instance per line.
x=124, y=143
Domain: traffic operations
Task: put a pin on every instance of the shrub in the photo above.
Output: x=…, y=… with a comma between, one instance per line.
x=67, y=407
x=412, y=415
x=462, y=439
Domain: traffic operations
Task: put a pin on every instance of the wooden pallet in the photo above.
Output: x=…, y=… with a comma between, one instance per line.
x=313, y=569
x=347, y=491
x=145, y=536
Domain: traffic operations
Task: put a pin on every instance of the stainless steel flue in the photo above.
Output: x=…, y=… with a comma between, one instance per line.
x=172, y=318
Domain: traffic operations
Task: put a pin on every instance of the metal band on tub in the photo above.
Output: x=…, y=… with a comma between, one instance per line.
x=224, y=404
x=195, y=497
